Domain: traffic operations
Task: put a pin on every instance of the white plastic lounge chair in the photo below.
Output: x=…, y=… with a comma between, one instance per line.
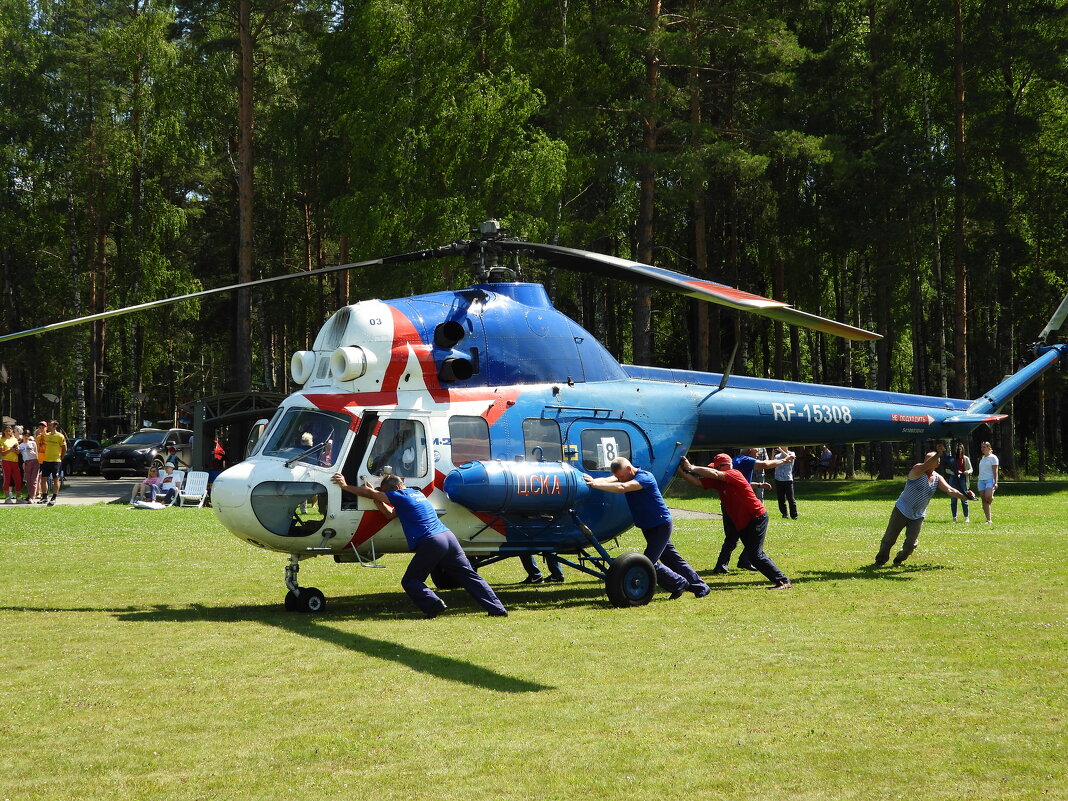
x=194, y=489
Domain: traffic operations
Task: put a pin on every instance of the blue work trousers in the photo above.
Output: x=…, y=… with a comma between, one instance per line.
x=443, y=550
x=672, y=572
x=552, y=564
x=752, y=537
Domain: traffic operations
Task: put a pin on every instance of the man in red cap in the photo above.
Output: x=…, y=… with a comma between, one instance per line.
x=745, y=510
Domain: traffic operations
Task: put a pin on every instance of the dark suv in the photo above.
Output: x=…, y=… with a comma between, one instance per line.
x=135, y=454
x=76, y=459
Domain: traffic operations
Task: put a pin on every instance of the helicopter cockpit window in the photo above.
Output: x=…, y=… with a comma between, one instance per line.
x=256, y=439
x=290, y=508
x=470, y=438
x=311, y=436
x=401, y=446
x=541, y=440
x=601, y=445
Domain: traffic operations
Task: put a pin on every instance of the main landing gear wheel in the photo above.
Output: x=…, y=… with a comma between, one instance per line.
x=631, y=580
x=310, y=600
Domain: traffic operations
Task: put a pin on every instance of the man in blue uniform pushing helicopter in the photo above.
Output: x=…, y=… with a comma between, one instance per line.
x=651, y=515
x=433, y=543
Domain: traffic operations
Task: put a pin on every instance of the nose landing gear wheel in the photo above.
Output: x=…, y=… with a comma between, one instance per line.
x=310, y=600
x=301, y=599
x=631, y=580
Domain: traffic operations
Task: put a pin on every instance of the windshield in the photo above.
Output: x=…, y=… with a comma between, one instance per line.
x=144, y=438
x=316, y=434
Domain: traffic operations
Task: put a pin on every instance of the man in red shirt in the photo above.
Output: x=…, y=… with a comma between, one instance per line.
x=744, y=509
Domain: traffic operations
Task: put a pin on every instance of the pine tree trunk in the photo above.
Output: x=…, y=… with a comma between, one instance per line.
x=642, y=334
x=960, y=267
x=242, y=362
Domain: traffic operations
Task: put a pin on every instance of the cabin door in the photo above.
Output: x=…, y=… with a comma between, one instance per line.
x=391, y=442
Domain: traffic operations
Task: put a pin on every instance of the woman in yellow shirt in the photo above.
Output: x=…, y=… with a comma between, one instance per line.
x=9, y=454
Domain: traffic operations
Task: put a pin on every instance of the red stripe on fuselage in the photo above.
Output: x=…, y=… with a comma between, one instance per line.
x=370, y=524
x=335, y=403
x=492, y=521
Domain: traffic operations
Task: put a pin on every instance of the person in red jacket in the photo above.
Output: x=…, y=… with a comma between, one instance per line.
x=745, y=510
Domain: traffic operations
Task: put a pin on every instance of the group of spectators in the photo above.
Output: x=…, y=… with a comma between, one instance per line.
x=33, y=465
x=32, y=462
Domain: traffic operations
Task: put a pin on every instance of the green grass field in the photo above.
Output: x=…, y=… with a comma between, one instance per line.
x=146, y=655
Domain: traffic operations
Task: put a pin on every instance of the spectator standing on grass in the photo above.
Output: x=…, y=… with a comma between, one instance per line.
x=958, y=468
x=218, y=457
x=31, y=467
x=988, y=477
x=54, y=446
x=435, y=546
x=757, y=479
x=9, y=455
x=652, y=517
x=784, y=483
x=38, y=437
x=746, y=511
x=921, y=483
x=826, y=462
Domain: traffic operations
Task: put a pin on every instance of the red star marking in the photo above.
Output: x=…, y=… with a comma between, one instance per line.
x=405, y=336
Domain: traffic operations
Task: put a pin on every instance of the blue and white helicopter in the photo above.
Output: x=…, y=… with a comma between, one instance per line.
x=493, y=404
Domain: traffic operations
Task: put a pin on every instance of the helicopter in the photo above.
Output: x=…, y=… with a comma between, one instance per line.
x=494, y=404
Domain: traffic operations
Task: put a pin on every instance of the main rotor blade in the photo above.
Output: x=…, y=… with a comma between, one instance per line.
x=613, y=267
x=1056, y=321
x=447, y=250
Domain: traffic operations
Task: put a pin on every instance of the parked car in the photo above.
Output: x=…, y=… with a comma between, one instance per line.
x=135, y=454
x=76, y=459
x=93, y=456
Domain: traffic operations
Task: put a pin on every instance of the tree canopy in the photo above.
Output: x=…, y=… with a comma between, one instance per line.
x=898, y=166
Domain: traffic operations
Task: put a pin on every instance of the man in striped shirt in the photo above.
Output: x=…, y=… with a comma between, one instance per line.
x=920, y=486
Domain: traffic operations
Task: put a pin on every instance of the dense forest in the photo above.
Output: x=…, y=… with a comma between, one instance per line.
x=899, y=165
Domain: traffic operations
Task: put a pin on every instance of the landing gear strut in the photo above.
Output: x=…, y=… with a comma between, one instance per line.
x=301, y=599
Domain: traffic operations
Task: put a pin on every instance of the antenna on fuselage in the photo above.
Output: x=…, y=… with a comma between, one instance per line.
x=730, y=366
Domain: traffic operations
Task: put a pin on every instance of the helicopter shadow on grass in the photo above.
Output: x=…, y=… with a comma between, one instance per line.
x=356, y=608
